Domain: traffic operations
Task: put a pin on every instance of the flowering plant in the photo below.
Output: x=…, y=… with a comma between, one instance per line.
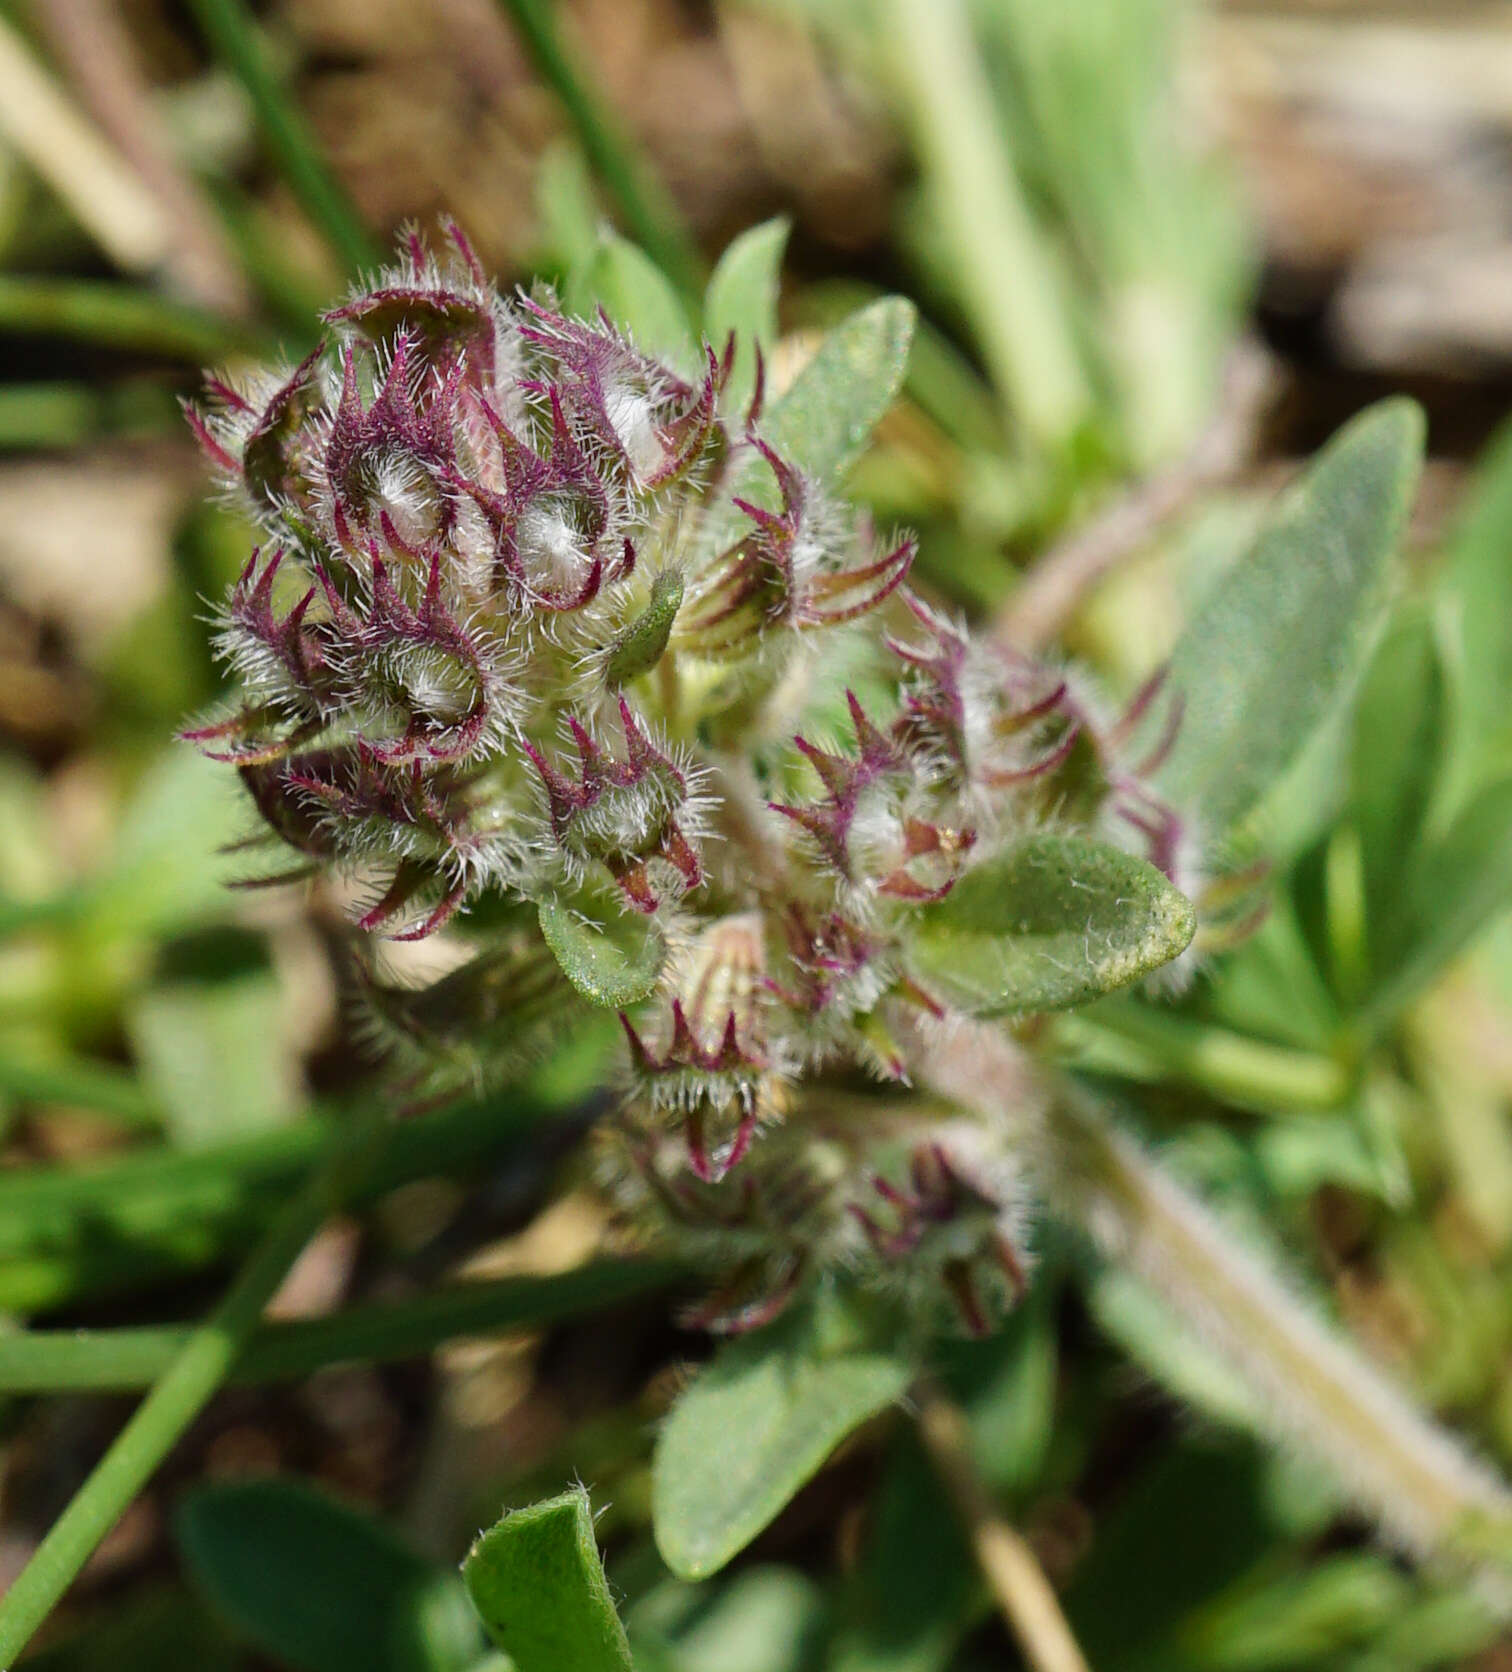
x=573, y=655
x=561, y=647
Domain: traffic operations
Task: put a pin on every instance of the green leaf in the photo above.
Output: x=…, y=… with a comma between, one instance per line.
x=1397, y=751
x=1276, y=642
x=641, y=644
x=1007, y=1385
x=1050, y=922
x=1478, y=578
x=824, y=419
x=1190, y=1525
x=638, y=296
x=765, y=1619
x=1460, y=886
x=319, y=1586
x=742, y=298
x=566, y=206
x=538, y=1585
x=831, y=408
x=756, y=1425
x=614, y=965
x=1307, y=1617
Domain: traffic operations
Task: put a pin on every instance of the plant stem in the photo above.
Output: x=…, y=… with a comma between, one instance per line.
x=1428, y=1495
x=1312, y=1388
x=1003, y=273
x=122, y=1360
x=648, y=207
x=117, y=316
x=1013, y=1574
x=181, y=1393
x=237, y=40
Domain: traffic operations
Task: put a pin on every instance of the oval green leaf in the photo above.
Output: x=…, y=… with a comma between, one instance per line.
x=538, y=1585
x=827, y=414
x=613, y=966
x=1278, y=640
x=757, y=1424
x=831, y=408
x=1050, y=922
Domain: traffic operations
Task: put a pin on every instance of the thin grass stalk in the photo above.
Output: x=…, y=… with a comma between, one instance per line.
x=193, y=1377
x=231, y=31
x=650, y=212
x=123, y=1360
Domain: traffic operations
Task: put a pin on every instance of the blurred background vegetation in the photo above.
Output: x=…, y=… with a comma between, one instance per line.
x=1160, y=251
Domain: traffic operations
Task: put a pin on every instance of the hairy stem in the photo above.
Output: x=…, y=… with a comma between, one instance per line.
x=192, y=1377
x=1013, y=1574
x=1317, y=1393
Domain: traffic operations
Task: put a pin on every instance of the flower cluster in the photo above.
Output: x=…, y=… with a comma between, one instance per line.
x=541, y=622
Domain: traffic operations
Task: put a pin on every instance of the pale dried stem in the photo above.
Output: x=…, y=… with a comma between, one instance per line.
x=1048, y=596
x=73, y=157
x=1013, y=1573
x=94, y=49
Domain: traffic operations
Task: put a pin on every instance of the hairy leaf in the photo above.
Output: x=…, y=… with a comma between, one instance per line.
x=838, y=399
x=827, y=414
x=538, y=1585
x=742, y=297
x=1051, y=921
x=319, y=1586
x=1279, y=637
x=614, y=966
x=755, y=1426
